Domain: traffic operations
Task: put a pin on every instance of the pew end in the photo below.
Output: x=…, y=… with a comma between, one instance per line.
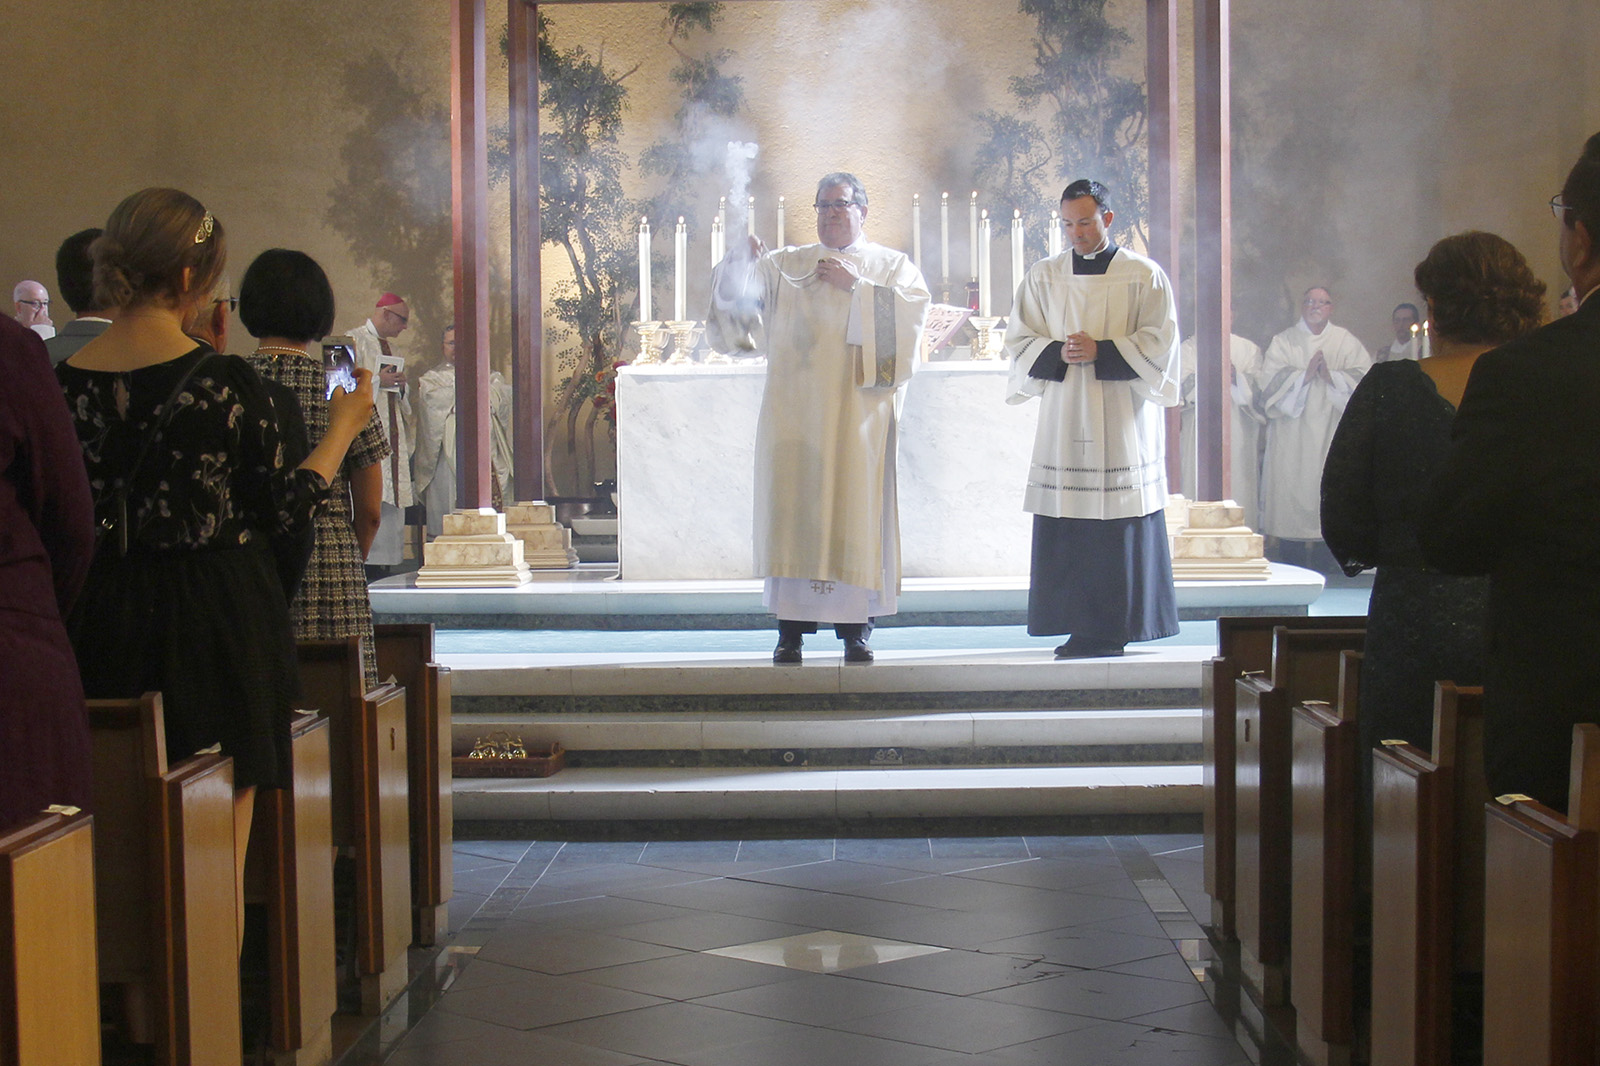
x=49, y=992
x=405, y=653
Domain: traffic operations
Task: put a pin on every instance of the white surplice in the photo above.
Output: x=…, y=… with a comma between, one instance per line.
x=827, y=531
x=434, y=471
x=1244, y=468
x=1100, y=449
x=1301, y=418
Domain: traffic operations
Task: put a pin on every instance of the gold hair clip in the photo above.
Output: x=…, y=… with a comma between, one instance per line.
x=203, y=234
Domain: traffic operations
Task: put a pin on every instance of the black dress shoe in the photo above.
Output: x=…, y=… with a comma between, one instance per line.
x=787, y=652
x=856, y=650
x=1078, y=648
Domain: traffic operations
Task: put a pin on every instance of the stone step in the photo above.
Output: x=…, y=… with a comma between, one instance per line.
x=782, y=794
x=843, y=738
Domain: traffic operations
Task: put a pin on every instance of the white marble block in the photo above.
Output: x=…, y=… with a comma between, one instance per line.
x=686, y=472
x=475, y=551
x=546, y=544
x=1213, y=543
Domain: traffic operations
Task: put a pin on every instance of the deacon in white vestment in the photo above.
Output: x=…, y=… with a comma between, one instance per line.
x=1307, y=376
x=841, y=324
x=434, y=465
x=1094, y=335
x=371, y=339
x=1244, y=440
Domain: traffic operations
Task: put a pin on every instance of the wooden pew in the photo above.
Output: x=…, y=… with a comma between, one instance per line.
x=166, y=915
x=1244, y=645
x=1325, y=781
x=1305, y=666
x=49, y=992
x=1540, y=943
x=293, y=841
x=1427, y=873
x=405, y=652
x=370, y=808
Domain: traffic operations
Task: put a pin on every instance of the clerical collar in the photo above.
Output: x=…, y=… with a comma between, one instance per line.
x=1108, y=250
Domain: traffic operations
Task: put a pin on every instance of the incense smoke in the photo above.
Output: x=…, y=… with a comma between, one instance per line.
x=736, y=166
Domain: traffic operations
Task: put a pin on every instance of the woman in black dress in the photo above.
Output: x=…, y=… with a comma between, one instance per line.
x=286, y=303
x=184, y=457
x=1422, y=626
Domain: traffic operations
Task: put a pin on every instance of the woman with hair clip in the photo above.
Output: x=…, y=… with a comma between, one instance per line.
x=184, y=457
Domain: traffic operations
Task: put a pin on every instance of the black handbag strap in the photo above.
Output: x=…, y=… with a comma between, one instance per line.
x=163, y=416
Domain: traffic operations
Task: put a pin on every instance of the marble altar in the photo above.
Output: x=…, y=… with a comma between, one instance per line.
x=686, y=471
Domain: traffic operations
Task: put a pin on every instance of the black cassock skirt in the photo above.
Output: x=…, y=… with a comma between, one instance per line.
x=1103, y=579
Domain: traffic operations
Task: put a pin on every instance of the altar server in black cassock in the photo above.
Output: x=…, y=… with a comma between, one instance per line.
x=1094, y=335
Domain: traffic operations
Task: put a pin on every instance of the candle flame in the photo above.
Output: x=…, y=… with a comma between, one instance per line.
x=984, y=214
x=1016, y=212
x=947, y=196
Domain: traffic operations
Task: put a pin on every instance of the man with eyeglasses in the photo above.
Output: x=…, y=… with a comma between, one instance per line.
x=1094, y=335
x=1307, y=376
x=75, y=280
x=389, y=319
x=841, y=323
x=32, y=304
x=1519, y=499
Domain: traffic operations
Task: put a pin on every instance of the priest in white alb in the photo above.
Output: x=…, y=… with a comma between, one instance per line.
x=1307, y=376
x=433, y=472
x=1094, y=335
x=841, y=324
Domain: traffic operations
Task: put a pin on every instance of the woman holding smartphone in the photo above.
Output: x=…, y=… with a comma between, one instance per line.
x=286, y=303
x=184, y=457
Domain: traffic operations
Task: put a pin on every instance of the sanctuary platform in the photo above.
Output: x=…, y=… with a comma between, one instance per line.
x=595, y=596
x=664, y=695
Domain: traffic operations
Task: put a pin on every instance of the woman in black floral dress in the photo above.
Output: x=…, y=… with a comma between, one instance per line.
x=286, y=303
x=183, y=596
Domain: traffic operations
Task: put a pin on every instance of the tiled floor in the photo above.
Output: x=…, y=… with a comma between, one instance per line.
x=1026, y=951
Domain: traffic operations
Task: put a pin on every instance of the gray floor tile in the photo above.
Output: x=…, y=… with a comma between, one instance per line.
x=702, y=932
x=814, y=1047
x=664, y=852
x=822, y=1000
x=584, y=852
x=883, y=850
x=594, y=911
x=506, y=1047
x=1200, y=1018
x=785, y=851
x=674, y=1031
x=1125, y=1044
x=1087, y=848
x=1050, y=873
x=483, y=880
x=690, y=976
x=499, y=850
x=540, y=949
x=538, y=1000
x=1100, y=994
x=1085, y=947
x=1158, y=844
x=1163, y=967
x=969, y=1025
x=958, y=973
x=987, y=847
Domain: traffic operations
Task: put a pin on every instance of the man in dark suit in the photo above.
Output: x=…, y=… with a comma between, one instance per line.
x=1519, y=500
x=75, y=279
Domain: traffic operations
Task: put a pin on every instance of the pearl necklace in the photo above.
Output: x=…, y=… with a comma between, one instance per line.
x=278, y=349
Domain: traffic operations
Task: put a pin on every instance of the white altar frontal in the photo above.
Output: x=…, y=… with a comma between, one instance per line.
x=686, y=471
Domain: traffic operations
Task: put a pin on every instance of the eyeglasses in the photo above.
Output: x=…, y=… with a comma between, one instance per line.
x=1316, y=303
x=39, y=305
x=824, y=206
x=404, y=319
x=1559, y=208
x=231, y=301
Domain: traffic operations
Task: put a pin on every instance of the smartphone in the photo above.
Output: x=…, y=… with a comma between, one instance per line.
x=339, y=364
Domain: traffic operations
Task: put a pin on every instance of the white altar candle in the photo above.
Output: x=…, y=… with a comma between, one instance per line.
x=1055, y=234
x=984, y=236
x=973, y=234
x=1018, y=246
x=644, y=270
x=717, y=241
x=944, y=241
x=916, y=229
x=722, y=226
x=680, y=257
x=749, y=220
x=782, y=239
